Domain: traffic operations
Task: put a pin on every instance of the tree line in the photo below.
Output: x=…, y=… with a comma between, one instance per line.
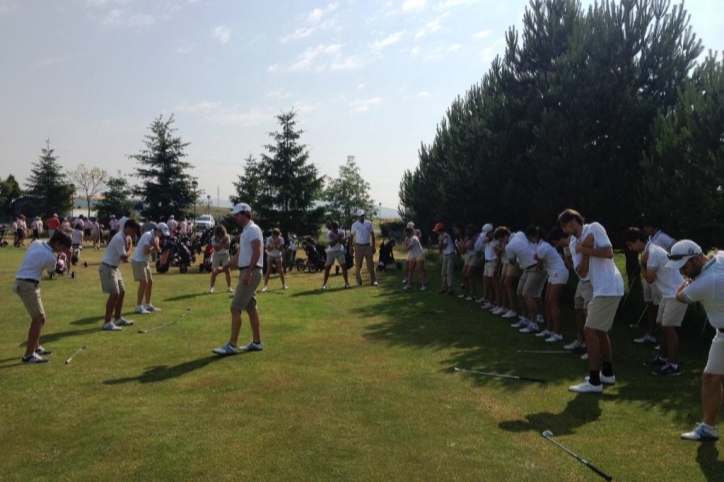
x=604, y=110
x=284, y=187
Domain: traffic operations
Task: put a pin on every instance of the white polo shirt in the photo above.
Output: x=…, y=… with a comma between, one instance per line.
x=144, y=242
x=362, y=232
x=577, y=257
x=337, y=248
x=38, y=258
x=520, y=248
x=121, y=224
x=274, y=247
x=448, y=247
x=663, y=240
x=603, y=273
x=708, y=289
x=251, y=233
x=550, y=258
x=116, y=248
x=667, y=280
x=490, y=254
x=414, y=247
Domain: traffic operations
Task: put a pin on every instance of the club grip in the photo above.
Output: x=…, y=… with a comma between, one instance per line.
x=598, y=471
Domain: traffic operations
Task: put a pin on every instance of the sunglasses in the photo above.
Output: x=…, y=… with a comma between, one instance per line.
x=679, y=257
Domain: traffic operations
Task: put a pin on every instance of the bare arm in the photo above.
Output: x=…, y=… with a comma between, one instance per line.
x=680, y=292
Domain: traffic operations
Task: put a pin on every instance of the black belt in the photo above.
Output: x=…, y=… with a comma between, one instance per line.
x=360, y=244
x=110, y=265
x=531, y=266
x=720, y=330
x=30, y=280
x=245, y=267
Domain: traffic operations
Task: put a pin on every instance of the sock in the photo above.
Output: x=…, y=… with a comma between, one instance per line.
x=607, y=369
x=139, y=306
x=594, y=378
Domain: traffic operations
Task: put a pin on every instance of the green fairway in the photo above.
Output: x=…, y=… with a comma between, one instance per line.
x=352, y=385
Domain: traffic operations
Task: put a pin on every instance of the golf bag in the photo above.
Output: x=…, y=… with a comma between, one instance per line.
x=203, y=240
x=387, y=256
x=75, y=256
x=3, y=243
x=174, y=253
x=316, y=255
x=207, y=259
x=62, y=266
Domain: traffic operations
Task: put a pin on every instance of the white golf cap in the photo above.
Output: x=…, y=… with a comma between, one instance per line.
x=411, y=225
x=241, y=208
x=487, y=228
x=163, y=227
x=360, y=212
x=171, y=216
x=681, y=252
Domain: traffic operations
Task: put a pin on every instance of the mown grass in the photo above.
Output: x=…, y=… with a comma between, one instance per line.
x=352, y=385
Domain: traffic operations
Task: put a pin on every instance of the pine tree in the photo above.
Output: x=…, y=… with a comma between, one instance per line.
x=165, y=186
x=48, y=189
x=9, y=191
x=116, y=199
x=347, y=193
x=292, y=182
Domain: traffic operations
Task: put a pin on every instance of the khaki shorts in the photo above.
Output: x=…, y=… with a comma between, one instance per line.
x=338, y=255
x=671, y=312
x=715, y=364
x=558, y=278
x=531, y=283
x=274, y=257
x=472, y=260
x=601, y=312
x=245, y=296
x=141, y=271
x=29, y=294
x=219, y=260
x=583, y=296
x=111, y=280
x=490, y=267
x=416, y=258
x=651, y=294
x=510, y=270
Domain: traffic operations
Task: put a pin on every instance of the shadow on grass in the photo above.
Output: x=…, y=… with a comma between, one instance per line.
x=481, y=341
x=11, y=366
x=98, y=319
x=163, y=372
x=51, y=337
x=707, y=456
x=188, y=297
x=581, y=410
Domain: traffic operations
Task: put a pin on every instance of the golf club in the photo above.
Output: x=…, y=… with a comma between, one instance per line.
x=548, y=434
x=500, y=375
x=640, y=317
x=623, y=305
x=544, y=352
x=165, y=324
x=76, y=352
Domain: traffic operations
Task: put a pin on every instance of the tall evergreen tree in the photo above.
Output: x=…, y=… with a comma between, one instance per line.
x=292, y=182
x=347, y=193
x=249, y=186
x=9, y=191
x=165, y=187
x=116, y=199
x=47, y=188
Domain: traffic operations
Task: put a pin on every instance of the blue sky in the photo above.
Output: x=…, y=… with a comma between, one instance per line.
x=369, y=78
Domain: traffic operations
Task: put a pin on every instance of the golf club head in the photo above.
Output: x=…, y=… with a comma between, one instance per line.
x=547, y=433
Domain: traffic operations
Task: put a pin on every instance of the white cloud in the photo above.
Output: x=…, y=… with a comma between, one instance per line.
x=415, y=51
x=364, y=105
x=308, y=59
x=203, y=106
x=47, y=62
x=103, y=3
x=453, y=3
x=423, y=94
x=222, y=33
x=306, y=107
x=483, y=34
x=387, y=41
x=487, y=54
x=360, y=86
x=314, y=22
x=430, y=27
x=252, y=117
x=184, y=49
x=277, y=94
x=411, y=5
x=348, y=63
x=117, y=18
x=274, y=68
x=440, y=52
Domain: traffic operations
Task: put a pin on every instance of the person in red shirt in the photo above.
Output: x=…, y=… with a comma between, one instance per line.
x=53, y=224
